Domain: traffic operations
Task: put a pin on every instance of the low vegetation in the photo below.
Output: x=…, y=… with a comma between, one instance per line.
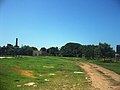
x=41, y=73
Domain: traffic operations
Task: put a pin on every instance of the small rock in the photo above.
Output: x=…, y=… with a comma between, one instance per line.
x=46, y=80
x=40, y=75
x=66, y=75
x=34, y=85
x=74, y=85
x=52, y=74
x=29, y=84
x=19, y=85
x=64, y=86
x=48, y=66
x=59, y=84
x=78, y=72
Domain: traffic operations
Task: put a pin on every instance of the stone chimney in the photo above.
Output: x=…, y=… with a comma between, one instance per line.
x=16, y=45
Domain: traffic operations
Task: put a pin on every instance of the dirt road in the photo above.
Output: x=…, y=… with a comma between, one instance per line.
x=101, y=78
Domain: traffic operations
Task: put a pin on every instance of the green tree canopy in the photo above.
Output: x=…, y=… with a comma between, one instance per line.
x=71, y=50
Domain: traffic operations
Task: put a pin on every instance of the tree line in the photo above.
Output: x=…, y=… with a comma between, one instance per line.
x=11, y=50
x=103, y=50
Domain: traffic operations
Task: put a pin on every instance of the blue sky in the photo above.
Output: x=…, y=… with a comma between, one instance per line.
x=46, y=23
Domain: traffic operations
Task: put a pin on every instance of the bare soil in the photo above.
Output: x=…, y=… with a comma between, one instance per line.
x=101, y=78
x=27, y=73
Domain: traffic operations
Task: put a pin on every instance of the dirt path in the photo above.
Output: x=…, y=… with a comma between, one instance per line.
x=101, y=78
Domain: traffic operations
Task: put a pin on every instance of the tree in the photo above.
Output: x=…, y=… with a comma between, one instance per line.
x=106, y=51
x=97, y=52
x=53, y=51
x=10, y=50
x=43, y=51
x=89, y=52
x=26, y=50
x=3, y=51
x=71, y=50
x=34, y=48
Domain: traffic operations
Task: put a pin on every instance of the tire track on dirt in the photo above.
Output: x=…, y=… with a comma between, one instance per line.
x=98, y=80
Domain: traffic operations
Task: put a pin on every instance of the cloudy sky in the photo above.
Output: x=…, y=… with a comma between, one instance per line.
x=56, y=22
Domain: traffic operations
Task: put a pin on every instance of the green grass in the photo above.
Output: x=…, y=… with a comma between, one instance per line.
x=113, y=66
x=63, y=68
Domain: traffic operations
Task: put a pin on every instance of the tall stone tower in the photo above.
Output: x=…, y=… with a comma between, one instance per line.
x=16, y=45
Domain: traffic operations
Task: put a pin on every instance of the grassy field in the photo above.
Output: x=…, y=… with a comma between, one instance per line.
x=41, y=73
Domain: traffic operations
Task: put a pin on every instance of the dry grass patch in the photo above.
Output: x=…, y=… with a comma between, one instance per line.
x=27, y=73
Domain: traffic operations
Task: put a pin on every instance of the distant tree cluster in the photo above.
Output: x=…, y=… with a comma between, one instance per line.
x=52, y=51
x=11, y=50
x=103, y=50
